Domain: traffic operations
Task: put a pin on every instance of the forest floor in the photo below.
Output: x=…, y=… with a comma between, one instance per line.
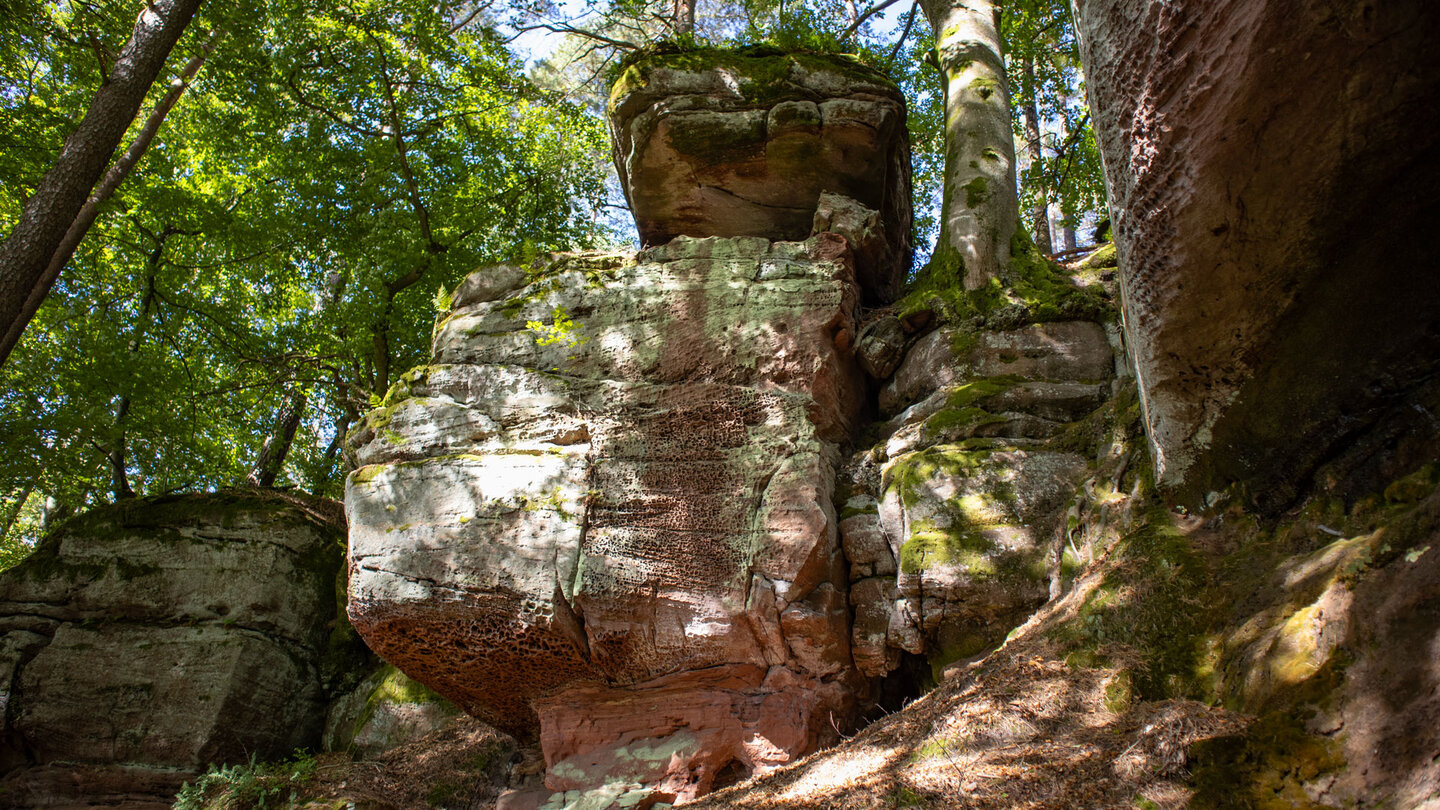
x=463, y=764
x=1020, y=728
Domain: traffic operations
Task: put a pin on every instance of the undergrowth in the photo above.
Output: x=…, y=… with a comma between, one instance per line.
x=248, y=786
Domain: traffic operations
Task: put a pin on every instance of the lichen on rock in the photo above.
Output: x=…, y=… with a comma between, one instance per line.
x=645, y=508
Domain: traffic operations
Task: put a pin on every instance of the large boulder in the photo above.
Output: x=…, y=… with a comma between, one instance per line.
x=144, y=640
x=743, y=143
x=1271, y=165
x=603, y=515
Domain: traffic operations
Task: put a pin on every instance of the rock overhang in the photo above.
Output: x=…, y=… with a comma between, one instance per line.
x=1268, y=186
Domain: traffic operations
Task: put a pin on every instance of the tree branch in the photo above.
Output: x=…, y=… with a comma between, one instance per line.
x=865, y=15
x=566, y=28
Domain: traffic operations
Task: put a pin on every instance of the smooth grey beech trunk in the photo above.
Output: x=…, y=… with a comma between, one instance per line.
x=980, y=208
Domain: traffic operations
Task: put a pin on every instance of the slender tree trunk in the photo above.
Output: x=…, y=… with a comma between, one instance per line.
x=979, y=208
x=53, y=512
x=271, y=458
x=62, y=192
x=119, y=478
x=83, y=220
x=684, y=16
x=1069, y=235
x=1040, y=214
x=332, y=453
x=14, y=513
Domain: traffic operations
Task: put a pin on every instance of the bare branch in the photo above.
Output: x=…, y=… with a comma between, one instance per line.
x=904, y=33
x=865, y=15
x=566, y=28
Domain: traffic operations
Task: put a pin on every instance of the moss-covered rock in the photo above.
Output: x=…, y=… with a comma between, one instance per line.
x=975, y=532
x=385, y=711
x=1034, y=290
x=743, y=142
x=168, y=633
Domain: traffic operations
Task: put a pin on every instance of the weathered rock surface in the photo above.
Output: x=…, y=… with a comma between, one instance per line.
x=745, y=143
x=953, y=517
x=1270, y=166
x=881, y=346
x=604, y=514
x=1064, y=351
x=142, y=641
x=384, y=712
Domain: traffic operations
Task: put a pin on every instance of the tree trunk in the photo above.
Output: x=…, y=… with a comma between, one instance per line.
x=14, y=513
x=332, y=452
x=1040, y=214
x=119, y=479
x=52, y=513
x=979, y=209
x=1069, y=236
x=685, y=16
x=48, y=214
x=83, y=220
x=271, y=458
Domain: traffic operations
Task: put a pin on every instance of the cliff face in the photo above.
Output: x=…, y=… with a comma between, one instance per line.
x=606, y=514
x=612, y=491
x=1270, y=166
x=603, y=516
x=145, y=640
x=1272, y=643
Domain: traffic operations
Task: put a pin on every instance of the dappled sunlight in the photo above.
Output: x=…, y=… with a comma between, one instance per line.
x=824, y=777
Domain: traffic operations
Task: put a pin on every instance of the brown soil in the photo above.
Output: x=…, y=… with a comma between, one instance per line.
x=1020, y=728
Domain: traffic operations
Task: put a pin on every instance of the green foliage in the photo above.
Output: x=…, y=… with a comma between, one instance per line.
x=332, y=165
x=248, y=785
x=1041, y=33
x=561, y=331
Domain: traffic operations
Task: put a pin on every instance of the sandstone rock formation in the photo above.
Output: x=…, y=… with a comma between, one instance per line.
x=1270, y=167
x=142, y=641
x=953, y=520
x=604, y=516
x=744, y=144
x=385, y=711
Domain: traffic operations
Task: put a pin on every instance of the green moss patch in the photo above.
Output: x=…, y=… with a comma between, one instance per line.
x=1152, y=601
x=763, y=70
x=1037, y=290
x=1265, y=768
x=912, y=472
